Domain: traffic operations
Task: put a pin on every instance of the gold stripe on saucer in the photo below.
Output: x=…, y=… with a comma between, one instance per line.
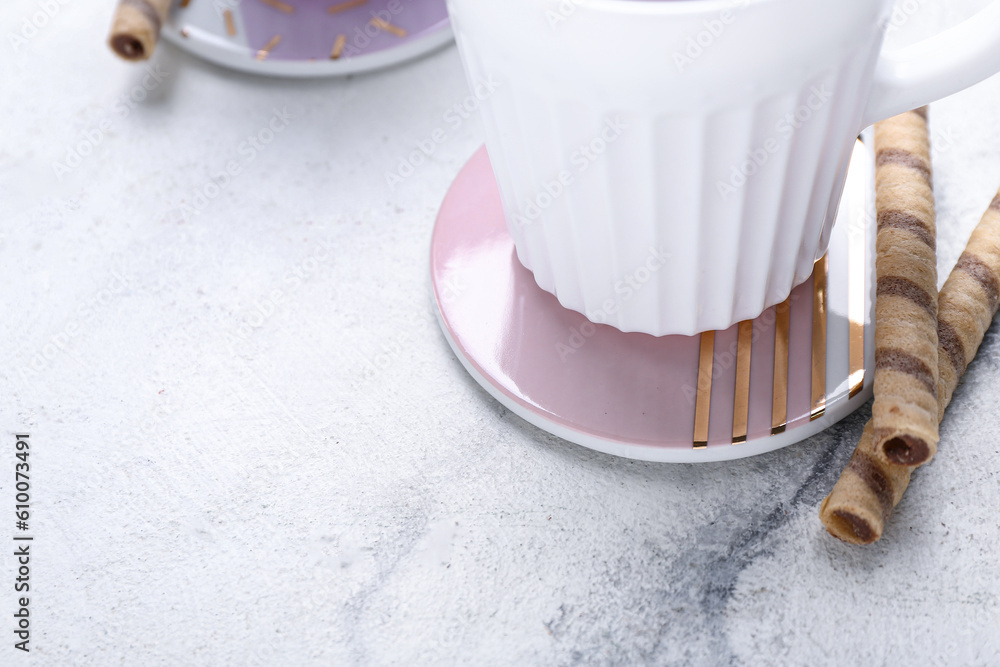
x=779, y=391
x=704, y=396
x=819, y=339
x=741, y=403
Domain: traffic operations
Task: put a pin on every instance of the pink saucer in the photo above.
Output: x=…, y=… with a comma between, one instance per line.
x=753, y=388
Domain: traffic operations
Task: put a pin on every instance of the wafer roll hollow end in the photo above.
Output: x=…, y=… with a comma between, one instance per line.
x=863, y=498
x=906, y=450
x=131, y=36
x=128, y=47
x=854, y=525
x=135, y=29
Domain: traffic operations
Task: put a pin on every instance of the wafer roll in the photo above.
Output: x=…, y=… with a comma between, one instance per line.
x=904, y=413
x=865, y=495
x=135, y=29
x=869, y=488
x=967, y=303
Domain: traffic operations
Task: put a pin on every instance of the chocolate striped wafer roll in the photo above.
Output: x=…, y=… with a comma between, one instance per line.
x=863, y=498
x=135, y=29
x=967, y=303
x=869, y=488
x=904, y=413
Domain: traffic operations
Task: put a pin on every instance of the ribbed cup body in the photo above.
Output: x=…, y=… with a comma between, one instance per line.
x=670, y=167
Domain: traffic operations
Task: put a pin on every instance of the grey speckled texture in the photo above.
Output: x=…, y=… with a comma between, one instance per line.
x=226, y=477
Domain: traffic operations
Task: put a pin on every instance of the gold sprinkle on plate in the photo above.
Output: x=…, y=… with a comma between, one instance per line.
x=338, y=47
x=267, y=48
x=388, y=27
x=279, y=5
x=230, y=23
x=343, y=6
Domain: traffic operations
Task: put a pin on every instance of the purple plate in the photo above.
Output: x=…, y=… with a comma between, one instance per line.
x=307, y=38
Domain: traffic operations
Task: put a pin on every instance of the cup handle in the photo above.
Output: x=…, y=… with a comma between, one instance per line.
x=936, y=67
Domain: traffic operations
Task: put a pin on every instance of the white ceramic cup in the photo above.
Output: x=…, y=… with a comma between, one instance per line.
x=675, y=166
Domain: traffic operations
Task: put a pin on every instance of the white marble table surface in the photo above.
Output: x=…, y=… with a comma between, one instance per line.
x=220, y=476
